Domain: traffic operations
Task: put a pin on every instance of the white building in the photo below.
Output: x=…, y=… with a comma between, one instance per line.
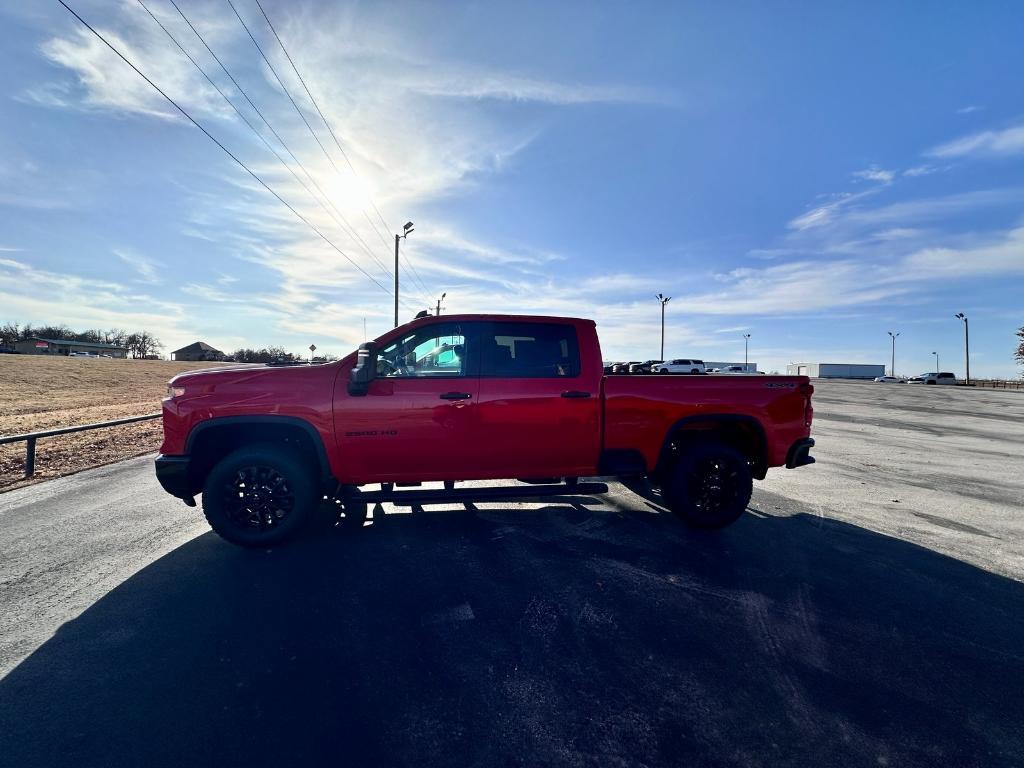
x=835, y=370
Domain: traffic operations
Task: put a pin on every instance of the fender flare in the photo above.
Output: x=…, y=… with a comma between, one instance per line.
x=761, y=439
x=267, y=420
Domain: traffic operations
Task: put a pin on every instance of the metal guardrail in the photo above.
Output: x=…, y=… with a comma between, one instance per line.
x=29, y=438
x=997, y=383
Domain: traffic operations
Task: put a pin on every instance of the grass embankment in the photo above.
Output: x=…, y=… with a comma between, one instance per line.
x=38, y=393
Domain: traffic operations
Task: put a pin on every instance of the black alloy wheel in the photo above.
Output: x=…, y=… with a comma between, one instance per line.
x=260, y=495
x=257, y=498
x=710, y=486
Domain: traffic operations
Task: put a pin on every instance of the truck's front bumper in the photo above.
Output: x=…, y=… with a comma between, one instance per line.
x=172, y=472
x=800, y=453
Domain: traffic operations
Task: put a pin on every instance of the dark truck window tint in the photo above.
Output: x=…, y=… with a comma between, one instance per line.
x=530, y=350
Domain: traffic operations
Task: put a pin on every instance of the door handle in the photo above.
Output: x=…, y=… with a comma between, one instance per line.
x=575, y=393
x=456, y=396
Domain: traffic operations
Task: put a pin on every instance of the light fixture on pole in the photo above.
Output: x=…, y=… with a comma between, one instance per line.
x=406, y=231
x=892, y=369
x=439, y=303
x=746, y=347
x=664, y=300
x=967, y=347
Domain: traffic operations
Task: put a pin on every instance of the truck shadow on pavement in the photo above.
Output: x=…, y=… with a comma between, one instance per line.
x=554, y=636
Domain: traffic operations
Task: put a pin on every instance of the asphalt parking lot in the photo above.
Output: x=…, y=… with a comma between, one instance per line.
x=868, y=610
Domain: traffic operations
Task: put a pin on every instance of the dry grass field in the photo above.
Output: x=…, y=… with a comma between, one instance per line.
x=39, y=393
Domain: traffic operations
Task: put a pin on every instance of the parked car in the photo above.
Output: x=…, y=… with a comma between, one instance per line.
x=624, y=367
x=933, y=378
x=265, y=446
x=610, y=367
x=644, y=367
x=888, y=380
x=680, y=365
x=733, y=369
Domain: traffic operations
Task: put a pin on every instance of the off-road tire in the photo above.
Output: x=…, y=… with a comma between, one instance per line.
x=259, y=496
x=710, y=486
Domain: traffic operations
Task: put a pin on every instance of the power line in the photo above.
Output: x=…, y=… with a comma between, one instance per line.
x=337, y=215
x=412, y=269
x=341, y=149
x=226, y=151
x=292, y=100
x=319, y=112
x=247, y=121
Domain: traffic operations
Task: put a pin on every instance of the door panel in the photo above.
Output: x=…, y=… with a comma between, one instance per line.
x=418, y=418
x=538, y=415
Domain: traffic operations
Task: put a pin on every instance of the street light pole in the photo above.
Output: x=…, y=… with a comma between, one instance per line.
x=967, y=347
x=892, y=367
x=439, y=303
x=746, y=342
x=937, y=369
x=664, y=300
x=406, y=231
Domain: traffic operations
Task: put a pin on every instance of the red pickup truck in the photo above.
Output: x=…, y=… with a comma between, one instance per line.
x=468, y=397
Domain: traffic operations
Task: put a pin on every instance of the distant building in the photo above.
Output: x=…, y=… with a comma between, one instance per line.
x=836, y=370
x=40, y=346
x=198, y=351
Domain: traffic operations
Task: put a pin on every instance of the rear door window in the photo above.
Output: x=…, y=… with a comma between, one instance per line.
x=530, y=350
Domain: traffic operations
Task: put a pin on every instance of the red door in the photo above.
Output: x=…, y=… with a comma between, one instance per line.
x=538, y=412
x=418, y=419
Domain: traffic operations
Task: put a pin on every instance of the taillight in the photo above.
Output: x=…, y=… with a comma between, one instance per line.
x=173, y=392
x=807, y=390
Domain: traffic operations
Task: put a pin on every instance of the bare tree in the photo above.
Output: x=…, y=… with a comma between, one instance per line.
x=9, y=333
x=1020, y=347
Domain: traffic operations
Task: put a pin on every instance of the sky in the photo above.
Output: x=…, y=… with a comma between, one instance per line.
x=812, y=174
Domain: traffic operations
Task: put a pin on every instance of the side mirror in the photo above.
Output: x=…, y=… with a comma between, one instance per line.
x=364, y=370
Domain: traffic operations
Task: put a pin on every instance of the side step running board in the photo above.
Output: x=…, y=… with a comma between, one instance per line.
x=486, y=493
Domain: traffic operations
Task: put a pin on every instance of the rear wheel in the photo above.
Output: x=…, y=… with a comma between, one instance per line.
x=710, y=486
x=259, y=496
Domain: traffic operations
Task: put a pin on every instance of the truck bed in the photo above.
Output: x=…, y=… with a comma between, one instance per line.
x=637, y=409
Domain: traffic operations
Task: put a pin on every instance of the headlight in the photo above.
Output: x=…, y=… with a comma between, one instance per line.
x=173, y=392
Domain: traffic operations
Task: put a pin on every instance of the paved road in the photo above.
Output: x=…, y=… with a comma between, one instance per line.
x=575, y=632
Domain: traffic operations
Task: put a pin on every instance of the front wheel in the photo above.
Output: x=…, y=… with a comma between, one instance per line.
x=259, y=496
x=710, y=486
x=663, y=370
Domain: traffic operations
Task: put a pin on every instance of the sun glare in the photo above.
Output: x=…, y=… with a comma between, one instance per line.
x=348, y=193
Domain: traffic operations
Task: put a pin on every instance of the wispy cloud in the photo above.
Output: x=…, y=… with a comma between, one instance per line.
x=827, y=213
x=1007, y=141
x=146, y=269
x=508, y=87
x=1001, y=254
x=104, y=82
x=29, y=292
x=874, y=173
x=968, y=109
